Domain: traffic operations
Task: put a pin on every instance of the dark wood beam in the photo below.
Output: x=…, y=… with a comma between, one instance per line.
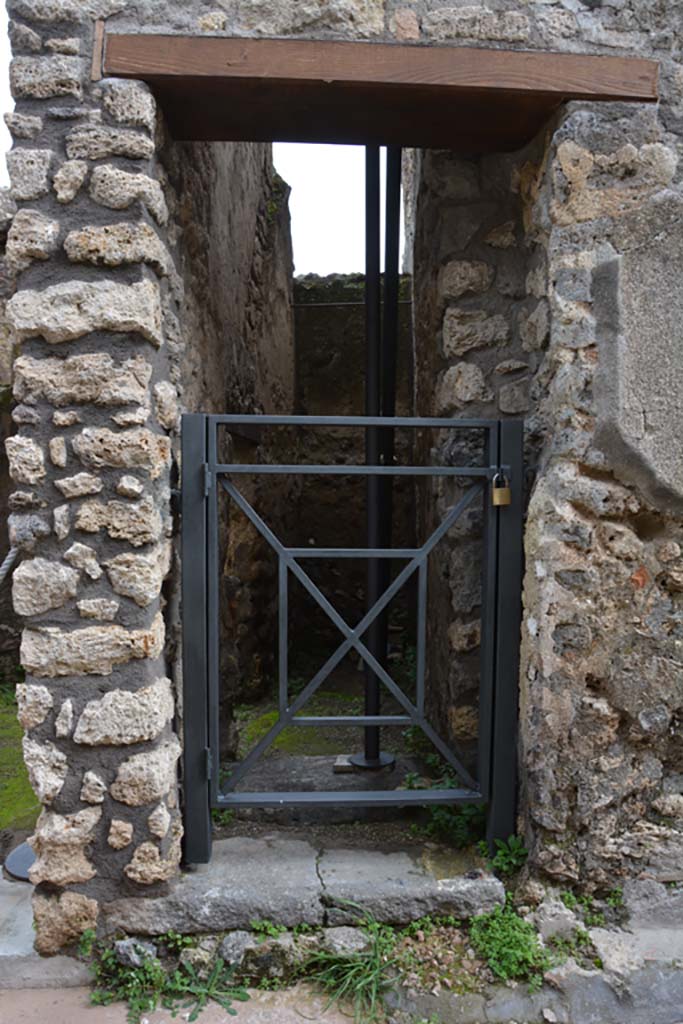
x=471, y=99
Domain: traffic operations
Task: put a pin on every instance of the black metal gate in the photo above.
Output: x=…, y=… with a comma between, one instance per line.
x=203, y=476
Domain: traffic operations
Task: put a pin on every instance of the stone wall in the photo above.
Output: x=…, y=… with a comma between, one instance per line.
x=10, y=629
x=101, y=319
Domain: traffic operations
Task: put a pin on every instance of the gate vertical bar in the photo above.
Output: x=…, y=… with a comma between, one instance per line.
x=488, y=617
x=213, y=609
x=194, y=553
x=503, y=806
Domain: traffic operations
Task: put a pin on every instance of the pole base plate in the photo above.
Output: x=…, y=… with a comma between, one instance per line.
x=374, y=764
x=19, y=861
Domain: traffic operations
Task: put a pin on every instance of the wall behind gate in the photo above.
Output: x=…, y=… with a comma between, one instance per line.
x=101, y=317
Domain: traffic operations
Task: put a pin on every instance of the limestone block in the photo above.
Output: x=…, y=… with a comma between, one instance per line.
x=464, y=636
x=472, y=22
x=26, y=460
x=159, y=821
x=93, y=790
x=359, y=18
x=69, y=179
x=46, y=766
x=34, y=704
x=460, y=277
x=62, y=521
x=120, y=834
x=129, y=103
x=114, y=245
x=79, y=485
x=29, y=171
x=513, y=398
x=61, y=920
x=130, y=487
x=70, y=45
x=24, y=38
x=39, y=585
x=466, y=329
x=553, y=918
x=215, y=21
x=95, y=142
x=42, y=77
x=132, y=449
x=502, y=236
x=117, y=189
x=24, y=415
x=94, y=650
x=65, y=10
x=535, y=327
x=132, y=417
x=138, y=522
x=146, y=778
x=65, y=720
x=32, y=236
x=166, y=405
x=26, y=530
x=459, y=385
x=148, y=866
x=140, y=576
x=93, y=378
x=98, y=608
x=83, y=557
x=511, y=366
x=59, y=843
x=65, y=419
x=24, y=126
x=66, y=311
x=126, y=716
x=58, y=454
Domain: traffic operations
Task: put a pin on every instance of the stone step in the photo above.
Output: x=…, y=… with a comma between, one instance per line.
x=291, y=881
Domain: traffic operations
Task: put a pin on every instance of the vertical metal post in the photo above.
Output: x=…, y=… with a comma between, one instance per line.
x=489, y=611
x=503, y=805
x=196, y=802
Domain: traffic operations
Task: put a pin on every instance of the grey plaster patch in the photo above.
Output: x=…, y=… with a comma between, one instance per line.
x=16, y=920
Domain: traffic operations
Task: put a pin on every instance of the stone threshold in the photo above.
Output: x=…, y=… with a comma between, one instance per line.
x=291, y=882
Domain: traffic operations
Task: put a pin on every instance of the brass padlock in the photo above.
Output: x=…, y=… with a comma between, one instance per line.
x=500, y=490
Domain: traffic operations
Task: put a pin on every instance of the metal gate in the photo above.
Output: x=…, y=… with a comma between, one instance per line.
x=203, y=476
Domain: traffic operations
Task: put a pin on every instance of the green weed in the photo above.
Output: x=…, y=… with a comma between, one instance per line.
x=510, y=855
x=510, y=946
x=265, y=929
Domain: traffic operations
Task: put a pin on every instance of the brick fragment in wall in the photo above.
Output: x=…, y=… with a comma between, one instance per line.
x=98, y=608
x=120, y=834
x=126, y=716
x=94, y=378
x=43, y=77
x=96, y=142
x=66, y=311
x=32, y=236
x=60, y=843
x=79, y=485
x=114, y=245
x=39, y=585
x=93, y=789
x=139, y=449
x=139, y=522
x=34, y=704
x=404, y=25
x=93, y=650
x=130, y=103
x=58, y=452
x=61, y=518
x=467, y=329
x=460, y=277
x=117, y=190
x=146, y=778
x=459, y=385
x=140, y=577
x=64, y=721
x=61, y=920
x=83, y=557
x=69, y=180
x=26, y=460
x=47, y=768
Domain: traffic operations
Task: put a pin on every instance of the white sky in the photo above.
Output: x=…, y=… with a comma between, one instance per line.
x=327, y=182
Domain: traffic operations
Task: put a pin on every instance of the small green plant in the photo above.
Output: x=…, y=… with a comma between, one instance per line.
x=510, y=946
x=358, y=979
x=569, y=899
x=615, y=898
x=460, y=826
x=86, y=942
x=303, y=929
x=176, y=943
x=265, y=929
x=152, y=984
x=222, y=817
x=592, y=918
x=510, y=855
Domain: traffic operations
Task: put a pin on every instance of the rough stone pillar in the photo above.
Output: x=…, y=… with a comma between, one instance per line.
x=94, y=314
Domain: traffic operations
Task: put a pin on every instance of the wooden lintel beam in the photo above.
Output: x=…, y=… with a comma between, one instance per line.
x=456, y=69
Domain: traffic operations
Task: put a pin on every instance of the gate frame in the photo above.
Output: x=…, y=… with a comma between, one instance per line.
x=501, y=620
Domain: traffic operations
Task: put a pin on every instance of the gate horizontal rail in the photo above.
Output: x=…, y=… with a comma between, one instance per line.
x=501, y=586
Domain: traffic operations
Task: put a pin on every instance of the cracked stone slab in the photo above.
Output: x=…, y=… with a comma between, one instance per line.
x=247, y=879
x=403, y=886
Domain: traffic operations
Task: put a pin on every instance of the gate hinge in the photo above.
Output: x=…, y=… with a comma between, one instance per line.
x=208, y=480
x=208, y=764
